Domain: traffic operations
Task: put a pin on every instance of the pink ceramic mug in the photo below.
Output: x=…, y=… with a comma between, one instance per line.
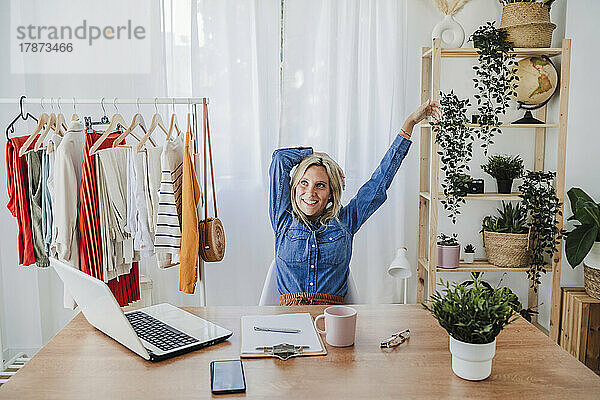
x=340, y=325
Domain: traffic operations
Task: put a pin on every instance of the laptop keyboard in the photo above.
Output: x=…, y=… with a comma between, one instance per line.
x=158, y=333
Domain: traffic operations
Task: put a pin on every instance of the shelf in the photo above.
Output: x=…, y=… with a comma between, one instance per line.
x=479, y=265
x=518, y=52
x=480, y=196
x=427, y=125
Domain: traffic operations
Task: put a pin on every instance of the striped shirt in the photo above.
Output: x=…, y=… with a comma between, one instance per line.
x=167, y=237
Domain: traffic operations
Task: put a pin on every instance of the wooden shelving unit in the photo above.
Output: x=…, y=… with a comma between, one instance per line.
x=429, y=189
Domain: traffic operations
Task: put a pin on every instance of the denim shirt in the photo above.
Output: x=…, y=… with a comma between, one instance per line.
x=316, y=259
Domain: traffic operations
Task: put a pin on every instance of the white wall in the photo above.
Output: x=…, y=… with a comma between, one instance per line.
x=31, y=298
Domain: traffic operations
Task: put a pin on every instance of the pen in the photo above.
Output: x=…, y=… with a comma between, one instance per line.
x=278, y=330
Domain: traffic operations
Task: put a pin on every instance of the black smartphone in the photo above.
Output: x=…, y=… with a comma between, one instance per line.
x=227, y=377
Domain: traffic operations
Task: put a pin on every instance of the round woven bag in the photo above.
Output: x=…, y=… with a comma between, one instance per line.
x=527, y=24
x=506, y=249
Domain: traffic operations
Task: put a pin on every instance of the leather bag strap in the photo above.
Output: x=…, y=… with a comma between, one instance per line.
x=212, y=174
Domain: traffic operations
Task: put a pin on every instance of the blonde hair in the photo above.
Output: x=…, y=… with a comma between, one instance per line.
x=334, y=172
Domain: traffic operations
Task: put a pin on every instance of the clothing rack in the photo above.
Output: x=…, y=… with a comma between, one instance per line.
x=191, y=102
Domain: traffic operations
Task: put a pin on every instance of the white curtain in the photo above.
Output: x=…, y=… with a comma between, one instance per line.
x=229, y=51
x=339, y=89
x=343, y=93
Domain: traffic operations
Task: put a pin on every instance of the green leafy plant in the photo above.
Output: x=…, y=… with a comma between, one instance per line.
x=504, y=167
x=473, y=313
x=510, y=219
x=543, y=207
x=455, y=141
x=580, y=240
x=445, y=240
x=469, y=248
x=493, y=80
x=463, y=182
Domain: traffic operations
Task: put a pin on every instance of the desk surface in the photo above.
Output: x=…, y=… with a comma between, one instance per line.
x=81, y=362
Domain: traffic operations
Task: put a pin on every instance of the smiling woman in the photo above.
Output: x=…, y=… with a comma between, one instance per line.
x=313, y=231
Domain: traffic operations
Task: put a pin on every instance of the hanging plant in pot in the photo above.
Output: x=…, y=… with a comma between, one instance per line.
x=543, y=207
x=448, y=251
x=504, y=169
x=494, y=81
x=583, y=242
x=473, y=316
x=455, y=141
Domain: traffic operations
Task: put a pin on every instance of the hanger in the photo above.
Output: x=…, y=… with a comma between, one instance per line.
x=60, y=129
x=56, y=123
x=42, y=121
x=116, y=121
x=74, y=117
x=138, y=120
x=173, y=123
x=11, y=127
x=157, y=121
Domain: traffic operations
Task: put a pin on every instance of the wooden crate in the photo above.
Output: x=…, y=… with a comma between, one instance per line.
x=580, y=326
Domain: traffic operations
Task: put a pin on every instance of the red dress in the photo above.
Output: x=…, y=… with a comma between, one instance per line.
x=18, y=200
x=126, y=288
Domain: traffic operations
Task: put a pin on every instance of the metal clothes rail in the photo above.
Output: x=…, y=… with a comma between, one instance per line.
x=192, y=102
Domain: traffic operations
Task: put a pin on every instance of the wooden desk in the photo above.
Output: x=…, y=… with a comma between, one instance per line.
x=81, y=362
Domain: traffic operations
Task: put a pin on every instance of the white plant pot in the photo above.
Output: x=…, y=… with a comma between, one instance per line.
x=468, y=258
x=592, y=259
x=472, y=361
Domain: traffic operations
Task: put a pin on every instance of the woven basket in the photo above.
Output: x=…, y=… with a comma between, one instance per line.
x=527, y=24
x=591, y=279
x=506, y=249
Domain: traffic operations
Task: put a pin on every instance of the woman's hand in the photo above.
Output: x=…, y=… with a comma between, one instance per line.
x=427, y=109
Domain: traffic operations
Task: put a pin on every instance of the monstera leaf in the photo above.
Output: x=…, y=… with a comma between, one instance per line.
x=579, y=242
x=581, y=239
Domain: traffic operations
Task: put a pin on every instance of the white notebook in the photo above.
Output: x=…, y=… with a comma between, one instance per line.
x=253, y=341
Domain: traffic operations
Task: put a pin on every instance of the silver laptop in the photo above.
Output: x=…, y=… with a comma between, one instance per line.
x=155, y=333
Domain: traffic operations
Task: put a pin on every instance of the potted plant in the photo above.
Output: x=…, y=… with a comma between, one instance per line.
x=583, y=242
x=504, y=169
x=493, y=80
x=455, y=141
x=463, y=184
x=469, y=253
x=505, y=237
x=542, y=205
x=448, y=251
x=473, y=317
x=527, y=22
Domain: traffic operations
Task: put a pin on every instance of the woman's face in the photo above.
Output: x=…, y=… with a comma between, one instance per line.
x=313, y=192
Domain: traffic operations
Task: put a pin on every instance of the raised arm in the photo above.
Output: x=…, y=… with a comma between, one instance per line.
x=279, y=174
x=373, y=193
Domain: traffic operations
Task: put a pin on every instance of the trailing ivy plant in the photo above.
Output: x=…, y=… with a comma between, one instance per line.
x=493, y=80
x=455, y=141
x=543, y=207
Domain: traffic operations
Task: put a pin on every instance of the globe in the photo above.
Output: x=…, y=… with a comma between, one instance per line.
x=538, y=80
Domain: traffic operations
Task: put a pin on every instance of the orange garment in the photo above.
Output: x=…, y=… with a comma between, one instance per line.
x=18, y=197
x=190, y=236
x=311, y=299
